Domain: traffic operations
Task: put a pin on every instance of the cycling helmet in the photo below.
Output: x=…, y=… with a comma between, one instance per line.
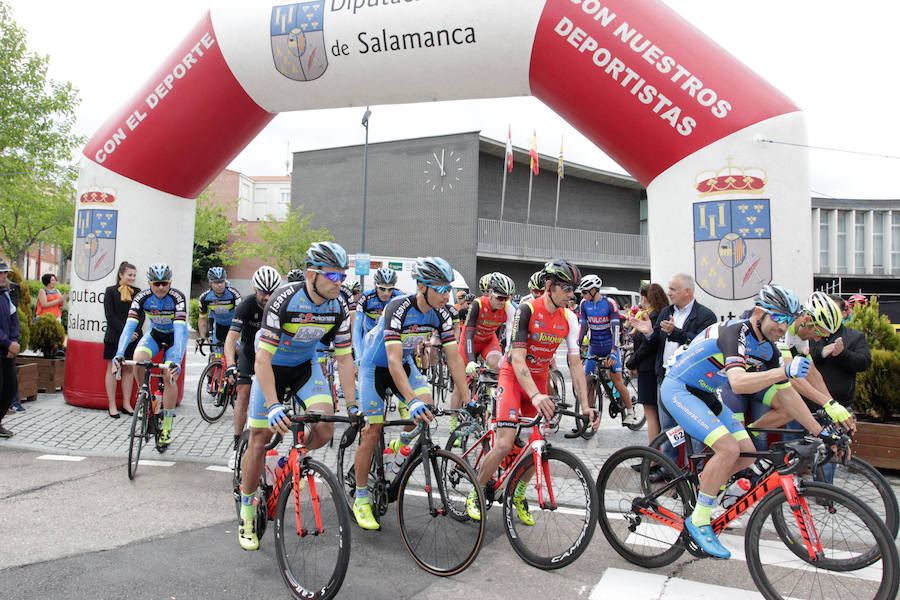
x=563, y=271
x=590, y=282
x=385, y=276
x=295, y=275
x=215, y=274
x=484, y=282
x=469, y=298
x=432, y=270
x=824, y=311
x=501, y=284
x=536, y=281
x=159, y=272
x=856, y=299
x=266, y=279
x=778, y=299
x=327, y=254
x=354, y=286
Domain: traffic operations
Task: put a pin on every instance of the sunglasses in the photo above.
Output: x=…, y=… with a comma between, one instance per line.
x=780, y=318
x=567, y=288
x=160, y=283
x=331, y=276
x=501, y=298
x=440, y=289
x=381, y=288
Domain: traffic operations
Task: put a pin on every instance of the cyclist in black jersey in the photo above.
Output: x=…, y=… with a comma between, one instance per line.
x=246, y=322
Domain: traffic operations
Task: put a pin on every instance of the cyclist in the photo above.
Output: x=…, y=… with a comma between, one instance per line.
x=540, y=325
x=244, y=325
x=166, y=309
x=296, y=319
x=387, y=364
x=535, y=286
x=221, y=299
x=743, y=354
x=371, y=304
x=486, y=315
x=295, y=275
x=599, y=317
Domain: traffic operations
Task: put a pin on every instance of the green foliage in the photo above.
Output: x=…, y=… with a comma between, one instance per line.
x=193, y=313
x=211, y=230
x=878, y=389
x=36, y=147
x=36, y=286
x=285, y=242
x=878, y=328
x=23, y=309
x=47, y=335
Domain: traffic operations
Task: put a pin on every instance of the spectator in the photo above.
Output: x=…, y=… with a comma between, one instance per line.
x=9, y=347
x=50, y=300
x=116, y=302
x=643, y=360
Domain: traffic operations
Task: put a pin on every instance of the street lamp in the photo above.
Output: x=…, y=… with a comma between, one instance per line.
x=365, y=123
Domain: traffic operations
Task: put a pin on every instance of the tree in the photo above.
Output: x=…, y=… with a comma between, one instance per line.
x=36, y=145
x=211, y=230
x=285, y=242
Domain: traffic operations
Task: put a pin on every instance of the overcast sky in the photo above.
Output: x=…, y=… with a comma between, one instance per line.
x=836, y=60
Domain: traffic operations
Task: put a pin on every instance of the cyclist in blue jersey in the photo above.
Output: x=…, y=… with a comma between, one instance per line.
x=166, y=309
x=599, y=316
x=743, y=354
x=217, y=306
x=387, y=363
x=371, y=304
x=297, y=318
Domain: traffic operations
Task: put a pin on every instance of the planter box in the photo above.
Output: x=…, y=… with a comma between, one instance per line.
x=27, y=375
x=878, y=444
x=51, y=372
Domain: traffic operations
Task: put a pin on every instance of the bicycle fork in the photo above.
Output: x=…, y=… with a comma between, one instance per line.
x=542, y=476
x=804, y=520
x=296, y=479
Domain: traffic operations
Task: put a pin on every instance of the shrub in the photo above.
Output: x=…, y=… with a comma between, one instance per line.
x=877, y=327
x=47, y=335
x=23, y=309
x=193, y=313
x=878, y=388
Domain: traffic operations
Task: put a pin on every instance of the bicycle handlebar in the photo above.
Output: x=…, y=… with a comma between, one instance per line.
x=148, y=364
x=200, y=343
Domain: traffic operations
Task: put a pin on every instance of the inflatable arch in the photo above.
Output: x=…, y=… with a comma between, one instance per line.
x=670, y=106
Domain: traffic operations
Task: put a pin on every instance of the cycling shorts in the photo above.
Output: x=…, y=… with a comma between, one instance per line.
x=748, y=407
x=154, y=340
x=591, y=365
x=701, y=414
x=301, y=380
x=482, y=349
x=512, y=401
x=246, y=363
x=219, y=332
x=374, y=382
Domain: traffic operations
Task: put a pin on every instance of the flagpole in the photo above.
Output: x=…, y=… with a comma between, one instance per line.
x=556, y=218
x=502, y=199
x=528, y=212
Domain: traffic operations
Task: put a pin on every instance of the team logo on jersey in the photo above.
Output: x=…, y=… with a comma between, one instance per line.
x=732, y=247
x=95, y=243
x=298, y=40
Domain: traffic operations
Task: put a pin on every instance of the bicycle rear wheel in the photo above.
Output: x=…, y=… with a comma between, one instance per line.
x=636, y=510
x=564, y=525
x=312, y=533
x=434, y=525
x=210, y=400
x=139, y=422
x=346, y=470
x=847, y=531
x=238, y=473
x=864, y=481
x=631, y=386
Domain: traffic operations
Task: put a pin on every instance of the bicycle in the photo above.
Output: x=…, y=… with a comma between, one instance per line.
x=439, y=376
x=304, y=500
x=603, y=386
x=556, y=385
x=561, y=490
x=214, y=392
x=431, y=500
x=796, y=541
x=147, y=418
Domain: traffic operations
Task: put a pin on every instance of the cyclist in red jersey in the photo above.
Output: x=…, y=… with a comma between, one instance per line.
x=540, y=325
x=486, y=315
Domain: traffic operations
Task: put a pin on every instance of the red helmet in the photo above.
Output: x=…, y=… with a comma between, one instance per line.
x=856, y=299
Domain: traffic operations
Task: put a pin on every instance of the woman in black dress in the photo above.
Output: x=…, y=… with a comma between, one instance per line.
x=643, y=360
x=116, y=302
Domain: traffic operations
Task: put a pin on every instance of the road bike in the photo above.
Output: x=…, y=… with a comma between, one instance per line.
x=311, y=519
x=214, y=392
x=430, y=487
x=439, y=376
x=560, y=494
x=146, y=421
x=603, y=387
x=803, y=540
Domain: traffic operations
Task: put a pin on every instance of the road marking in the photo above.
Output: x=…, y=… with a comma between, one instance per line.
x=636, y=585
x=218, y=468
x=158, y=463
x=62, y=457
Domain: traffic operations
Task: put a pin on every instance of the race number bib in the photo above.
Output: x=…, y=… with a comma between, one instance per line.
x=676, y=436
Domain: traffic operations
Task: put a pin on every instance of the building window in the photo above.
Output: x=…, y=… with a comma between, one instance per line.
x=859, y=254
x=824, y=239
x=643, y=216
x=895, y=243
x=842, y=241
x=878, y=241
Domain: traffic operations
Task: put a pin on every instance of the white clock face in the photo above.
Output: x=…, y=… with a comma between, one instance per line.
x=443, y=170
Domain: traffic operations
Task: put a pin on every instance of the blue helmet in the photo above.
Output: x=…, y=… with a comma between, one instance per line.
x=778, y=299
x=385, y=276
x=432, y=270
x=159, y=272
x=215, y=274
x=327, y=254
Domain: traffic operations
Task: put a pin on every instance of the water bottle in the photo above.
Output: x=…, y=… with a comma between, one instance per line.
x=735, y=490
x=612, y=389
x=399, y=459
x=761, y=466
x=509, y=458
x=271, y=466
x=279, y=469
x=387, y=459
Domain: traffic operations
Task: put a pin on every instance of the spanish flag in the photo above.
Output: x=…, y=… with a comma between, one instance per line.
x=509, y=150
x=534, y=154
x=559, y=166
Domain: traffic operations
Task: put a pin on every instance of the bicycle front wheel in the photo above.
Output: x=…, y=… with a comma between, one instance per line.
x=553, y=529
x=847, y=531
x=434, y=525
x=210, y=400
x=864, y=481
x=312, y=533
x=631, y=386
x=139, y=423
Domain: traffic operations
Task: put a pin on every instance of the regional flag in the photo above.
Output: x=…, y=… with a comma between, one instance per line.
x=509, y=152
x=559, y=167
x=534, y=154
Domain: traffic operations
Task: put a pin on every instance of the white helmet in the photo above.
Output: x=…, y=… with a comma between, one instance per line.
x=266, y=279
x=590, y=282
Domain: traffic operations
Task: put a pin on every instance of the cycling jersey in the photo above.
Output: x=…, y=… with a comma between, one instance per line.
x=168, y=323
x=479, y=334
x=402, y=323
x=222, y=307
x=368, y=311
x=246, y=321
x=601, y=319
x=293, y=325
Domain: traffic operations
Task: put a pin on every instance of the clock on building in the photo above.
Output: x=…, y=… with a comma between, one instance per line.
x=443, y=170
